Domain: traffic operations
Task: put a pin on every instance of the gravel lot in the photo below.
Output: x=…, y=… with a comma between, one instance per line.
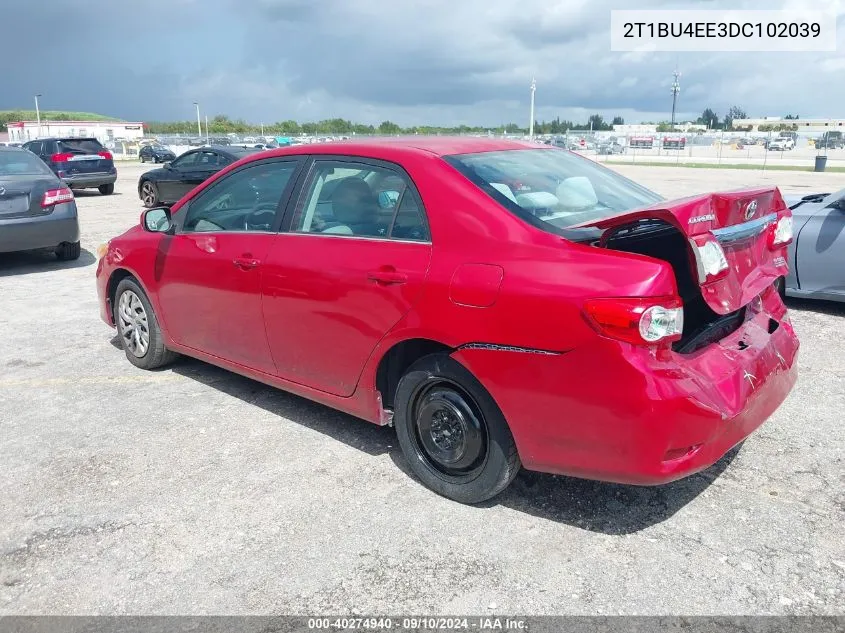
x=192, y=490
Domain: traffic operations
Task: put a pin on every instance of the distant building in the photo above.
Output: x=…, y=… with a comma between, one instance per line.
x=22, y=131
x=803, y=125
x=635, y=128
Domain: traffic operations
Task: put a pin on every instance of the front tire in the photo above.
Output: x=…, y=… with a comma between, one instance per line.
x=106, y=190
x=452, y=433
x=137, y=327
x=149, y=194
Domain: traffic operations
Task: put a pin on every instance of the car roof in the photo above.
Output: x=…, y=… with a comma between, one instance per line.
x=12, y=148
x=66, y=138
x=395, y=147
x=235, y=152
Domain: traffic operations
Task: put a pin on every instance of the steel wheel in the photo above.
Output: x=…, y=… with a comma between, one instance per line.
x=133, y=323
x=450, y=433
x=149, y=194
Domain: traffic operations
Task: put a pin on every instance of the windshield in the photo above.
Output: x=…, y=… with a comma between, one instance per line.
x=552, y=188
x=17, y=162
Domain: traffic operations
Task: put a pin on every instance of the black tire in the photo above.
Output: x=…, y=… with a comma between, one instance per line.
x=436, y=391
x=67, y=251
x=142, y=159
x=780, y=286
x=156, y=354
x=106, y=190
x=149, y=194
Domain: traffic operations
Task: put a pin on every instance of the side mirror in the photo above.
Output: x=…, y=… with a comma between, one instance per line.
x=168, y=165
x=157, y=220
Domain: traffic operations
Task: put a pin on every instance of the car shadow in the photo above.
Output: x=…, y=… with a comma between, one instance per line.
x=93, y=193
x=605, y=508
x=833, y=308
x=40, y=261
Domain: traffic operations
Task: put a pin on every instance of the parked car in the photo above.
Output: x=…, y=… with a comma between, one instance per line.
x=37, y=210
x=831, y=140
x=590, y=329
x=611, y=148
x=781, y=144
x=817, y=255
x=156, y=154
x=81, y=163
x=167, y=184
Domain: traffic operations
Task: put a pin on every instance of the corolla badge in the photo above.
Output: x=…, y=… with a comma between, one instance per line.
x=751, y=209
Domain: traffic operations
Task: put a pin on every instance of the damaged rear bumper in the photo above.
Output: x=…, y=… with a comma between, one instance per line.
x=617, y=412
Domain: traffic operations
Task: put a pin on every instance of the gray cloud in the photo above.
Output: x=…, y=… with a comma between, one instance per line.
x=427, y=61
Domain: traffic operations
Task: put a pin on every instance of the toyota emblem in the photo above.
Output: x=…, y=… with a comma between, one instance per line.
x=750, y=210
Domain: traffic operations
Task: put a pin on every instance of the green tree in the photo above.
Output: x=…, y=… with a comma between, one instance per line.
x=389, y=127
x=596, y=122
x=618, y=120
x=708, y=118
x=735, y=112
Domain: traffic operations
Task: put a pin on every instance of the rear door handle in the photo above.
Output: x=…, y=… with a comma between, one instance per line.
x=245, y=263
x=387, y=277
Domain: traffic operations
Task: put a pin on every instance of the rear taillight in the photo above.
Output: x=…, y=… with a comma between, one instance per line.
x=646, y=321
x=60, y=158
x=104, y=154
x=710, y=260
x=56, y=196
x=782, y=233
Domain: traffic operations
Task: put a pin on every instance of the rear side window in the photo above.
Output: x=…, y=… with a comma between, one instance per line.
x=14, y=163
x=80, y=146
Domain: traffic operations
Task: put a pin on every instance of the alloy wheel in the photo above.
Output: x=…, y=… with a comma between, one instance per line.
x=133, y=324
x=148, y=194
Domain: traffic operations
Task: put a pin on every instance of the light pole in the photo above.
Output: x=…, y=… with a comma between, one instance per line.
x=38, y=115
x=676, y=88
x=199, y=125
x=206, y=130
x=531, y=124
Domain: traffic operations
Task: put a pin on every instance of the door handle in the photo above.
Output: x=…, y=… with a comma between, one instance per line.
x=245, y=263
x=387, y=277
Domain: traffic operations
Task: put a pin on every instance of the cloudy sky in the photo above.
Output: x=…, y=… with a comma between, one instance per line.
x=414, y=62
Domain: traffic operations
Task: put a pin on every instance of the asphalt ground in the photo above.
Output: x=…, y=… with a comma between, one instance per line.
x=193, y=491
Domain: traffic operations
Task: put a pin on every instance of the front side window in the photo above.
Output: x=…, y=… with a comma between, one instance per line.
x=186, y=161
x=245, y=200
x=552, y=188
x=357, y=199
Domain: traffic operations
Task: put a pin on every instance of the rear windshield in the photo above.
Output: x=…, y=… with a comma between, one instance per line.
x=13, y=163
x=80, y=146
x=552, y=188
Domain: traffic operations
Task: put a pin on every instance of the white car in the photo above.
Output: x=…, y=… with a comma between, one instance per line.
x=781, y=144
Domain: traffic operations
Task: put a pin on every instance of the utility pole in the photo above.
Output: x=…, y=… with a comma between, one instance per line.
x=206, y=129
x=38, y=115
x=676, y=88
x=531, y=124
x=199, y=125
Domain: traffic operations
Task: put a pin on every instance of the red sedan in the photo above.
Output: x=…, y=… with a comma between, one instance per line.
x=580, y=325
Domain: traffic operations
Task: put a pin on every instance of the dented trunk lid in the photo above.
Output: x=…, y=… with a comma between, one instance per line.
x=741, y=222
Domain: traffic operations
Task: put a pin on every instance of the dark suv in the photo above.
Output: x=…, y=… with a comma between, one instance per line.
x=82, y=163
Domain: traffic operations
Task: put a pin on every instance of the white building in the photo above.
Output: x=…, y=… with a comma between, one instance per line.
x=635, y=128
x=803, y=125
x=103, y=131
